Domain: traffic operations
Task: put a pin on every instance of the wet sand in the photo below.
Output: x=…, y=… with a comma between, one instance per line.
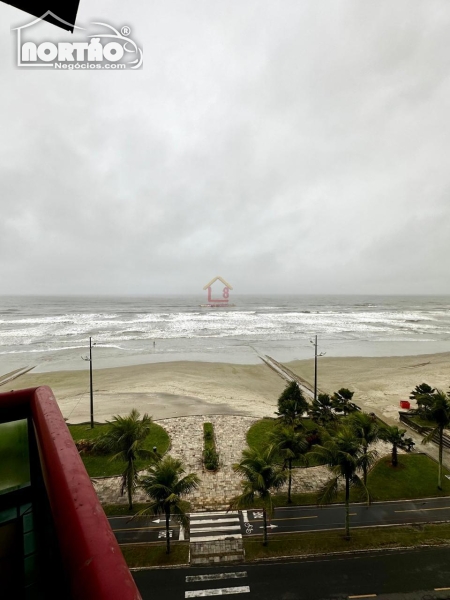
x=198, y=388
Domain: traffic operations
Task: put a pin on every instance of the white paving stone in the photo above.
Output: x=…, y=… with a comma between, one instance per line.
x=216, y=489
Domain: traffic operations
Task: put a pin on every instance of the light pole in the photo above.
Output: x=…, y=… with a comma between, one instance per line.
x=315, y=364
x=90, y=380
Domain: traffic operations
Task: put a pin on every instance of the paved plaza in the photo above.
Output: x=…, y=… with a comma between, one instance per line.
x=216, y=489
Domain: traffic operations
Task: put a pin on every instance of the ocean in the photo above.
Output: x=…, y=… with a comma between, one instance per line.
x=52, y=333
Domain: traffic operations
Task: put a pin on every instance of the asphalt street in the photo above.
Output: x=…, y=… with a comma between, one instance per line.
x=285, y=520
x=395, y=575
x=143, y=530
x=313, y=518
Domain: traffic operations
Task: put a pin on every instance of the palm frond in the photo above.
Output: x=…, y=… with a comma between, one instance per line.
x=245, y=500
x=329, y=491
x=358, y=483
x=430, y=435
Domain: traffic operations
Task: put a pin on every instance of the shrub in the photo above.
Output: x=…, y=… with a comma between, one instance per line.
x=210, y=455
x=211, y=459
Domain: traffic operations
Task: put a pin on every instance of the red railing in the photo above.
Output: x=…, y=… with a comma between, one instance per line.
x=94, y=565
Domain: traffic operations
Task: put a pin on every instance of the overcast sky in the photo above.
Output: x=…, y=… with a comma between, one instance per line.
x=290, y=147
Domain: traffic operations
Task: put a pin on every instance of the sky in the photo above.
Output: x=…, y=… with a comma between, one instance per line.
x=290, y=147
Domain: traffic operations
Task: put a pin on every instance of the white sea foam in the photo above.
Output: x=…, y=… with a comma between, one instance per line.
x=280, y=325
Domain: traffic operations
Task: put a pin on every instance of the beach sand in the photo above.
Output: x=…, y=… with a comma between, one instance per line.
x=175, y=389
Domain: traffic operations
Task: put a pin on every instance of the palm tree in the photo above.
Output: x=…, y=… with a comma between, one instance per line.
x=291, y=445
x=366, y=429
x=322, y=410
x=435, y=407
x=125, y=439
x=341, y=401
x=420, y=391
x=395, y=436
x=165, y=486
x=343, y=454
x=291, y=403
x=261, y=473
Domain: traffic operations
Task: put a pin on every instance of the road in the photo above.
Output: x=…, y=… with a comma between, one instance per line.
x=142, y=530
x=393, y=575
x=249, y=523
x=312, y=518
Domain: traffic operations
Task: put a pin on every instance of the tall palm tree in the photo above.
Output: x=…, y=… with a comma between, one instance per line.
x=165, y=486
x=435, y=407
x=343, y=454
x=395, y=436
x=262, y=474
x=125, y=439
x=367, y=431
x=291, y=445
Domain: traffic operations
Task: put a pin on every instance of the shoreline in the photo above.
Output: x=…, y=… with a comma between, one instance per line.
x=183, y=388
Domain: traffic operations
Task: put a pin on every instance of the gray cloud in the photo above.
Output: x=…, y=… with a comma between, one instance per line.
x=293, y=148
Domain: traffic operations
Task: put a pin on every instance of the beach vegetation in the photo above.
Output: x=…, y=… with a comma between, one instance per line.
x=165, y=485
x=434, y=406
x=342, y=453
x=291, y=445
x=262, y=475
x=210, y=454
x=291, y=404
x=124, y=441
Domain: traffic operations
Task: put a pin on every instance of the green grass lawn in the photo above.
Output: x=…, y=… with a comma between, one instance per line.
x=117, y=510
x=101, y=466
x=147, y=555
x=415, y=476
x=419, y=421
x=320, y=542
x=259, y=432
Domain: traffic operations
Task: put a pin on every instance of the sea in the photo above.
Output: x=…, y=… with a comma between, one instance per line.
x=53, y=333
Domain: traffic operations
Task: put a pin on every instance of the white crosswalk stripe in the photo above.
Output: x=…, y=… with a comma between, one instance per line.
x=219, y=591
x=214, y=526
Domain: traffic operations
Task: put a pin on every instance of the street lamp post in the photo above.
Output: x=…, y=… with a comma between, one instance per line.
x=315, y=364
x=90, y=381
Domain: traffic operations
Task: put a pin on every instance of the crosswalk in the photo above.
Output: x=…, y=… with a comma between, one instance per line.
x=215, y=526
x=216, y=579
